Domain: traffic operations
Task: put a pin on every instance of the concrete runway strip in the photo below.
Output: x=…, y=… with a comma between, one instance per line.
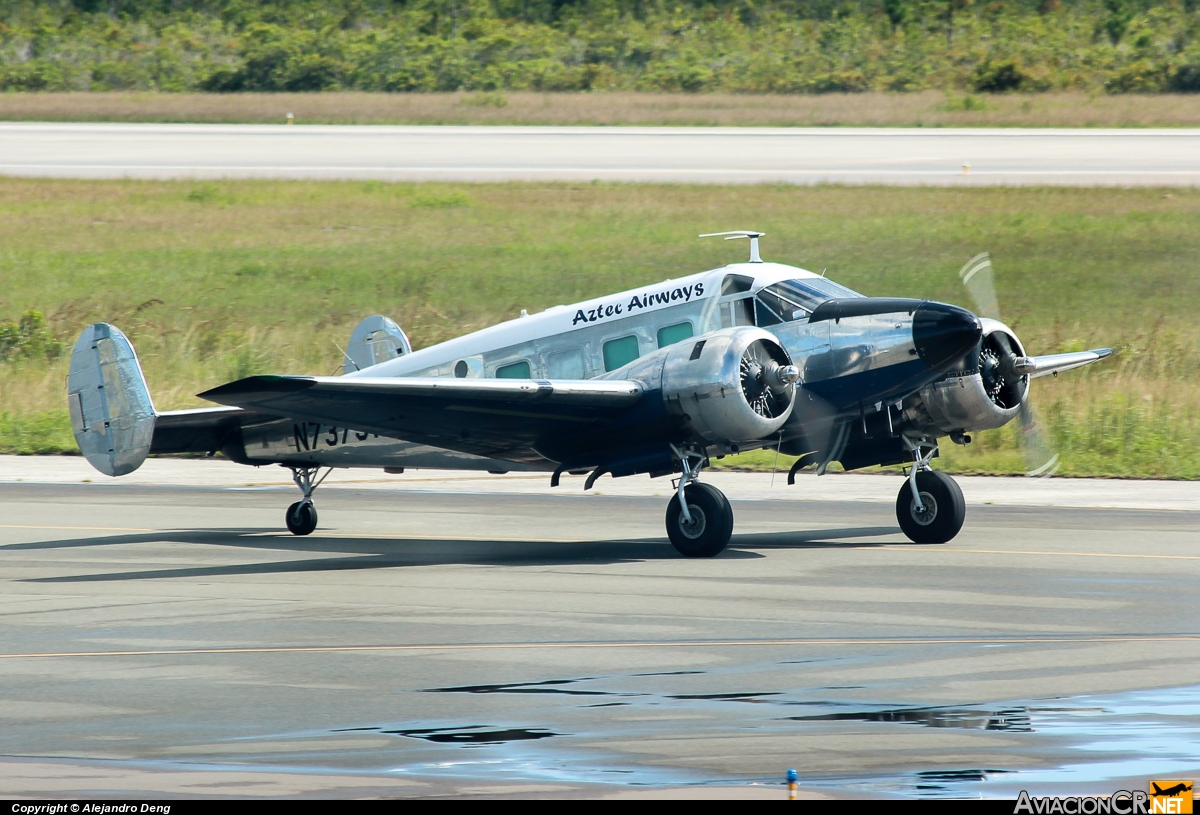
x=1087, y=157
x=438, y=639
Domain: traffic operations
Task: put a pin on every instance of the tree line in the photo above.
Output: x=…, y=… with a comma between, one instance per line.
x=762, y=46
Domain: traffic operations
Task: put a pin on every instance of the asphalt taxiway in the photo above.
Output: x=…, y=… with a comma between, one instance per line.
x=936, y=156
x=171, y=640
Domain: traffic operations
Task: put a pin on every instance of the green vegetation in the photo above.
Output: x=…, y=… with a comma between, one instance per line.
x=869, y=109
x=28, y=339
x=218, y=280
x=761, y=46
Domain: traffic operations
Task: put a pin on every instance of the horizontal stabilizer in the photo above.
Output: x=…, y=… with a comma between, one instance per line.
x=201, y=430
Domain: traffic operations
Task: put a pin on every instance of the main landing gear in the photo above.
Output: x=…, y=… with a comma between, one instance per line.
x=699, y=518
x=301, y=516
x=930, y=506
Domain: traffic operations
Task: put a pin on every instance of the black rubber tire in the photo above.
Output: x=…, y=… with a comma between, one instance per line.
x=301, y=518
x=946, y=509
x=710, y=508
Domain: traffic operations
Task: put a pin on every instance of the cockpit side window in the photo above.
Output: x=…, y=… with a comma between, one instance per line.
x=770, y=309
x=739, y=311
x=795, y=299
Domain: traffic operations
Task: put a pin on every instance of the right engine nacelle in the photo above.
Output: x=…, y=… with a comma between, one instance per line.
x=734, y=385
x=980, y=397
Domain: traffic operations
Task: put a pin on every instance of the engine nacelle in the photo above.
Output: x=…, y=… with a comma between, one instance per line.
x=983, y=395
x=733, y=385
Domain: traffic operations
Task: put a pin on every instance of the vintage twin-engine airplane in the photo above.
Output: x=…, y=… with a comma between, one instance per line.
x=654, y=380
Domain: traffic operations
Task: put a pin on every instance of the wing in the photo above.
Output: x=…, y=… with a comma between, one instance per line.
x=500, y=418
x=1054, y=363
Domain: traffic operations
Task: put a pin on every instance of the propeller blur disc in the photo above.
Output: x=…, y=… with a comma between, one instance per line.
x=977, y=276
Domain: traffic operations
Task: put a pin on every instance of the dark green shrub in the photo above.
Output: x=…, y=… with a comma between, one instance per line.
x=1186, y=79
x=1000, y=78
x=896, y=11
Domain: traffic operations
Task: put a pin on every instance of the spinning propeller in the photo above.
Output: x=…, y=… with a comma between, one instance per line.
x=1005, y=372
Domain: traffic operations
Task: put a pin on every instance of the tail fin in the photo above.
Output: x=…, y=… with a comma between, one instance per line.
x=112, y=414
x=376, y=339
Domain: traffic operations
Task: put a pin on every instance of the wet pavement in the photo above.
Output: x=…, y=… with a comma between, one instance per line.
x=171, y=641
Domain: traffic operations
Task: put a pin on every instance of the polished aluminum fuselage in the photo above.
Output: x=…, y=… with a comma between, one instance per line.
x=852, y=365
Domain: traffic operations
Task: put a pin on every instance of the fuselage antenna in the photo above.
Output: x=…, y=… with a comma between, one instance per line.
x=737, y=235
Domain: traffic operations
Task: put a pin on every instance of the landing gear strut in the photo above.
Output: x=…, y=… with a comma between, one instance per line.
x=930, y=506
x=699, y=518
x=301, y=516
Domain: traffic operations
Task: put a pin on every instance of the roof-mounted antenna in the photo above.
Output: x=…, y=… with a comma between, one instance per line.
x=737, y=235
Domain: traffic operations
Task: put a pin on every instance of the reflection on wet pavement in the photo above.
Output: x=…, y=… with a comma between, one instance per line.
x=475, y=734
x=472, y=734
x=1093, y=738
x=547, y=686
x=1011, y=719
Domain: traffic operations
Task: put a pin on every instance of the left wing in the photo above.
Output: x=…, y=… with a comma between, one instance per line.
x=502, y=418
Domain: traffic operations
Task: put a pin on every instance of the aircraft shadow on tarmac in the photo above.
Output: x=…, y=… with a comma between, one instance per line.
x=386, y=553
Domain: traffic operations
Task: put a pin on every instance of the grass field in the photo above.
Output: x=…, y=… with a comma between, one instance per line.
x=925, y=109
x=215, y=281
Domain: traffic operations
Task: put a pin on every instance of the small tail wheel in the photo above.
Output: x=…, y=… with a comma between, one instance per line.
x=711, y=524
x=301, y=518
x=943, y=514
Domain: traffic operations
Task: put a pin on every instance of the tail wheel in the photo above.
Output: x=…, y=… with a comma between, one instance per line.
x=301, y=518
x=711, y=523
x=944, y=512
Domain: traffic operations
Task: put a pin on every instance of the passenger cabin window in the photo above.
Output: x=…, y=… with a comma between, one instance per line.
x=518, y=370
x=672, y=334
x=566, y=365
x=618, y=353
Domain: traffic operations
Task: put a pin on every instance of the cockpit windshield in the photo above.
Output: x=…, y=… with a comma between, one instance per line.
x=795, y=299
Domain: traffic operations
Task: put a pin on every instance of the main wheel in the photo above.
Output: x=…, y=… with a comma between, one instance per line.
x=945, y=509
x=301, y=518
x=711, y=524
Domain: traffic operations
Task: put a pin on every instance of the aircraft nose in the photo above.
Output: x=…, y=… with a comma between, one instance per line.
x=943, y=334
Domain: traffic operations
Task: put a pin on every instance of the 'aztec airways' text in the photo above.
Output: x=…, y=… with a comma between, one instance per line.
x=683, y=294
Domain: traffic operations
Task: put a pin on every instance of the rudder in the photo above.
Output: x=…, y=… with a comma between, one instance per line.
x=376, y=339
x=112, y=414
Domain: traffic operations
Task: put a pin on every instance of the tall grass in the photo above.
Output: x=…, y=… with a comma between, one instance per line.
x=218, y=280
x=870, y=109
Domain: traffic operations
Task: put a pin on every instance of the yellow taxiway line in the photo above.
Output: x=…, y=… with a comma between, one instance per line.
x=1043, y=554
x=320, y=649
